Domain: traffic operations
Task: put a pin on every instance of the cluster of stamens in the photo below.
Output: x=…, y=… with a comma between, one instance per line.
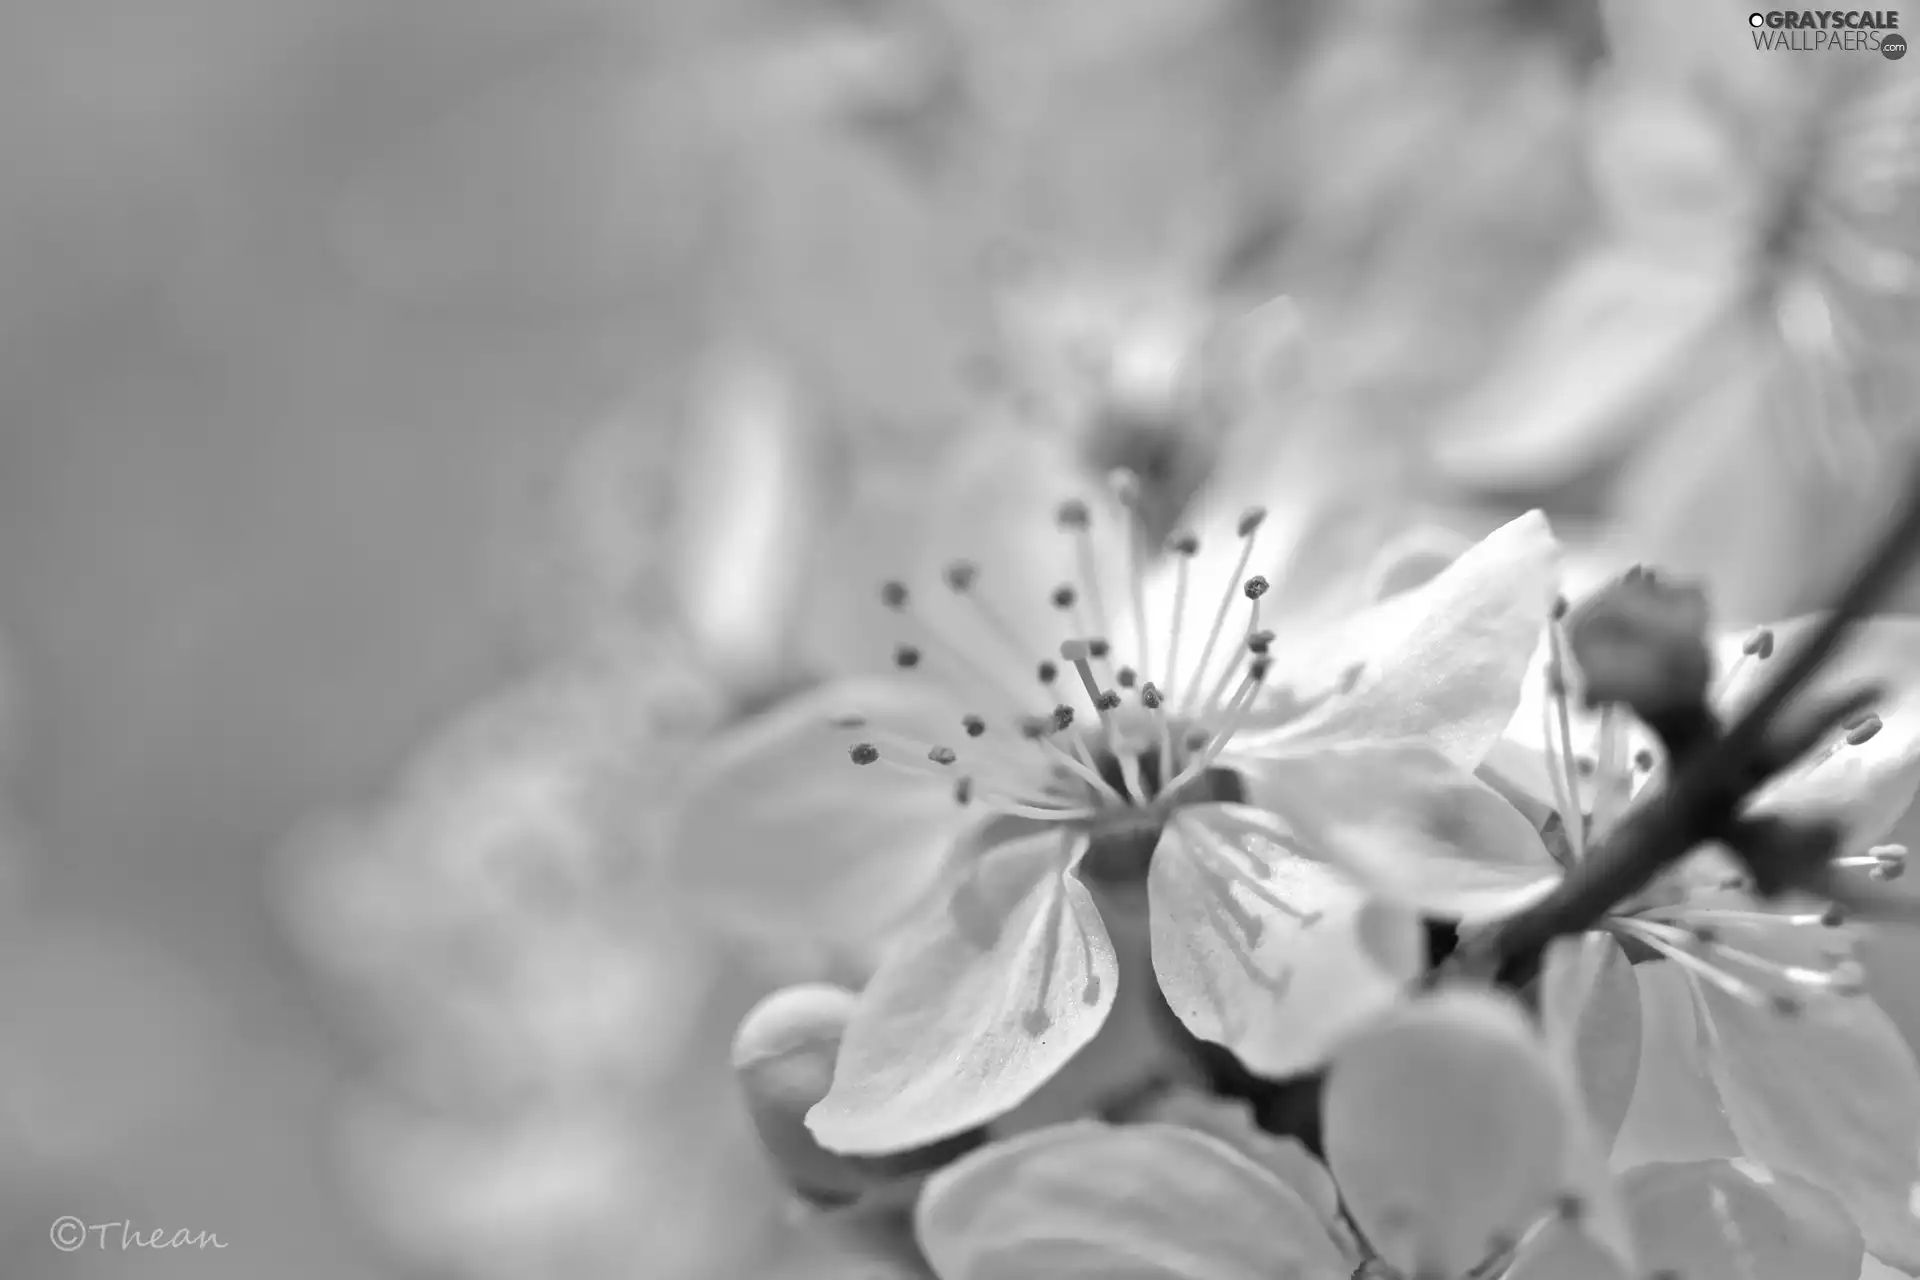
x=1157, y=727
x=1667, y=925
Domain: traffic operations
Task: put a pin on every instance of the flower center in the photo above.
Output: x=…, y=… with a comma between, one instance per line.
x=1106, y=744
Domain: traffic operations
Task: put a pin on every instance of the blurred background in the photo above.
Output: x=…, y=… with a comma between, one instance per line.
x=419, y=423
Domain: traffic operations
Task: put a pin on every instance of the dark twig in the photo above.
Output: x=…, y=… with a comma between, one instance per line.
x=1715, y=769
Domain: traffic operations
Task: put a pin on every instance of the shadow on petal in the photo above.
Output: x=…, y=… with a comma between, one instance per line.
x=1271, y=954
x=1404, y=820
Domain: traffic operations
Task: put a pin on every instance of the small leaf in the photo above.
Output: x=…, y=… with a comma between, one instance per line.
x=1139, y=1202
x=1273, y=955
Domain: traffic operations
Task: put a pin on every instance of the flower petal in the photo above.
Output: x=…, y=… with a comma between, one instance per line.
x=1675, y=1114
x=1712, y=1220
x=1231, y=1121
x=1413, y=559
x=1139, y=1202
x=1444, y=661
x=783, y=1056
x=1832, y=1096
x=777, y=827
x=1273, y=955
x=1450, y=1130
x=1867, y=784
x=1407, y=822
x=976, y=1007
x=1590, y=1007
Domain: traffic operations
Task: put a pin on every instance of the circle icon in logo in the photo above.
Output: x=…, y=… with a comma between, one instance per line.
x=1894, y=46
x=1756, y=19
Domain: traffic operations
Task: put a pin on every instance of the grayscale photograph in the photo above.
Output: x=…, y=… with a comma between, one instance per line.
x=959, y=640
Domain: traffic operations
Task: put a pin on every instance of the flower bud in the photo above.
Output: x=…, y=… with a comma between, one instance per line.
x=1642, y=641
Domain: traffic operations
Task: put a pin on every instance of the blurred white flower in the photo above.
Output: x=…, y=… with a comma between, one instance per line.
x=495, y=911
x=1740, y=337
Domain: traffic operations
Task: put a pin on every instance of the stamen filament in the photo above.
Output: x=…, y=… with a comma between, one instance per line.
x=1128, y=488
x=1740, y=990
x=1613, y=784
x=1081, y=763
x=1219, y=622
x=1221, y=685
x=1171, y=677
x=1575, y=815
x=930, y=638
x=1788, y=974
x=1156, y=705
x=1229, y=723
x=973, y=756
x=1090, y=578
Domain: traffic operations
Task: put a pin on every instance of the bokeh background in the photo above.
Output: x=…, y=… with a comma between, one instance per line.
x=420, y=422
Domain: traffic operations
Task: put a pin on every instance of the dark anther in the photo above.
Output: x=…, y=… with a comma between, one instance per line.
x=1560, y=607
x=1862, y=730
x=1643, y=759
x=1643, y=642
x=1258, y=668
x=974, y=726
x=1195, y=739
x=1064, y=597
x=906, y=656
x=1035, y=727
x=1098, y=648
x=1048, y=671
x=1184, y=544
x=1255, y=587
x=942, y=755
x=1108, y=700
x=863, y=753
x=893, y=595
x=1759, y=644
x=1127, y=677
x=1251, y=519
x=962, y=574
x=1062, y=717
x=1260, y=641
x=1150, y=696
x=963, y=791
x=1073, y=514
